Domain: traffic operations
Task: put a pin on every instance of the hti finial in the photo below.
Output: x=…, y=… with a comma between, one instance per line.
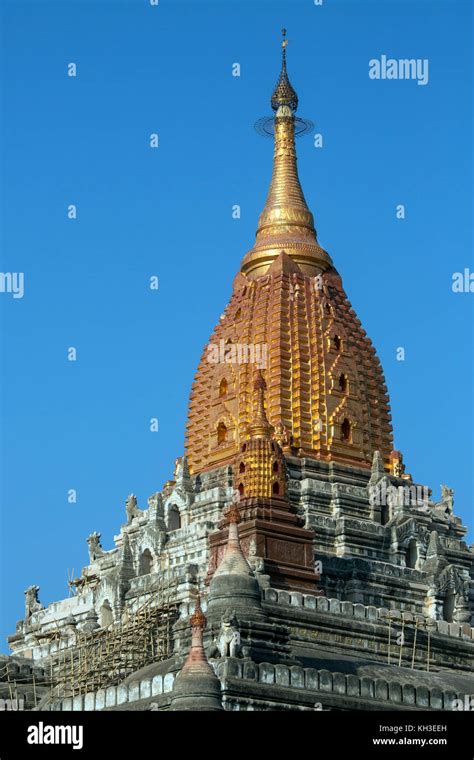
x=284, y=94
x=259, y=381
x=198, y=619
x=259, y=426
x=233, y=515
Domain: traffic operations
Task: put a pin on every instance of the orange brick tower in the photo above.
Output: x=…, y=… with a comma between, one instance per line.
x=289, y=315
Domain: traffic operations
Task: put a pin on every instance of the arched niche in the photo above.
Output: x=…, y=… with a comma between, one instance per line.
x=145, y=564
x=174, y=518
x=106, y=616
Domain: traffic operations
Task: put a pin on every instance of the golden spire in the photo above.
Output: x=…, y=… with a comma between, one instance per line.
x=260, y=426
x=197, y=619
x=312, y=338
x=284, y=94
x=286, y=222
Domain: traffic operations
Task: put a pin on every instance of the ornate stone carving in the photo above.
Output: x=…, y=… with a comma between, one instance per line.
x=281, y=435
x=131, y=508
x=410, y=528
x=294, y=485
x=95, y=548
x=32, y=603
x=182, y=481
x=397, y=467
x=227, y=643
x=351, y=523
x=447, y=500
x=256, y=563
x=450, y=580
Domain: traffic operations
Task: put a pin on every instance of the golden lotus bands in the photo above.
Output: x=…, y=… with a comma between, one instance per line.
x=324, y=384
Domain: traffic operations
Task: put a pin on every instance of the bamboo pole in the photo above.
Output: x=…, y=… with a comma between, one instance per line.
x=402, y=640
x=389, y=637
x=414, y=645
x=9, y=683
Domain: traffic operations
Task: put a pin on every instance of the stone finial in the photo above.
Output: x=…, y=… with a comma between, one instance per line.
x=181, y=472
x=181, y=485
x=435, y=548
x=435, y=561
x=378, y=469
x=156, y=510
x=126, y=568
x=196, y=686
x=233, y=515
x=198, y=619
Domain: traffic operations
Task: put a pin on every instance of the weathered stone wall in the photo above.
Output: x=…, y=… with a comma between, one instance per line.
x=118, y=696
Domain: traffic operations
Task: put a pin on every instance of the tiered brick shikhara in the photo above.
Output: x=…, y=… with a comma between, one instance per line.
x=289, y=470
x=325, y=386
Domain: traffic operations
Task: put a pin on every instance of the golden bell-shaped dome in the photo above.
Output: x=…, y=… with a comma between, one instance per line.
x=290, y=318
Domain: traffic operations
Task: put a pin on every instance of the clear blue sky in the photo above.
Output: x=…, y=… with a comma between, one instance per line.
x=167, y=69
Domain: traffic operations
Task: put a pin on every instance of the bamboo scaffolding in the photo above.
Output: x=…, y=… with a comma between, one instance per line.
x=405, y=620
x=106, y=656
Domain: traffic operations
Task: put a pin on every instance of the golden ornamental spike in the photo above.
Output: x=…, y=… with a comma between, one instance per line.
x=286, y=223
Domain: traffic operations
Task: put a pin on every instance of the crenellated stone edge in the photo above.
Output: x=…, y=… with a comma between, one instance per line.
x=361, y=611
x=309, y=679
x=339, y=684
x=114, y=696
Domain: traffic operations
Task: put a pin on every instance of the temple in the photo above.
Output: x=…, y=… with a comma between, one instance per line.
x=291, y=563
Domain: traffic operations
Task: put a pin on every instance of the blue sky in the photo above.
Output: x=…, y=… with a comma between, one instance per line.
x=84, y=425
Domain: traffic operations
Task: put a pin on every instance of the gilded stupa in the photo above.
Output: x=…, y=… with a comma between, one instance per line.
x=288, y=312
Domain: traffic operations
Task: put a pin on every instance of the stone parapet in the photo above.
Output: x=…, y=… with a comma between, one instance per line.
x=310, y=603
x=116, y=696
x=325, y=689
